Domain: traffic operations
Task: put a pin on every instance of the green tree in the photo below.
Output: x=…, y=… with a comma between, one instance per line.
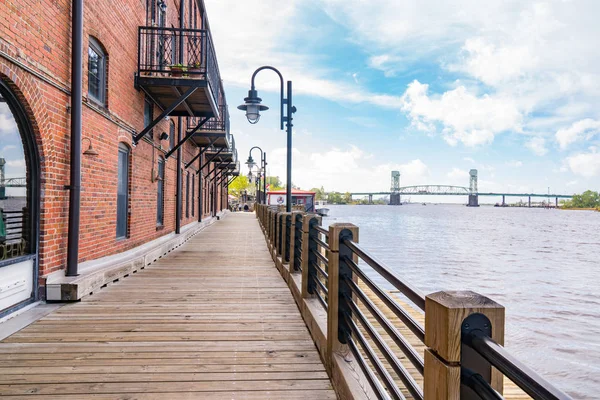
x=588, y=199
x=319, y=193
x=335, y=198
x=238, y=185
x=275, y=183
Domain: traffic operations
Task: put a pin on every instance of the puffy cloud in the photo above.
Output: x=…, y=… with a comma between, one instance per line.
x=458, y=174
x=537, y=145
x=584, y=129
x=7, y=123
x=464, y=117
x=348, y=169
x=585, y=164
x=515, y=164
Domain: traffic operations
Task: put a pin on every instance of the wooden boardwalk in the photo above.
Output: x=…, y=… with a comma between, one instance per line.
x=212, y=320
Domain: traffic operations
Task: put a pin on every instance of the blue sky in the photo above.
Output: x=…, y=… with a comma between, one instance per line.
x=427, y=87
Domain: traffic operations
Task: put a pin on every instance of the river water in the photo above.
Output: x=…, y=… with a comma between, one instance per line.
x=542, y=265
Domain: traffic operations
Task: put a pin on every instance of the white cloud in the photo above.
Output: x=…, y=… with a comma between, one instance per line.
x=7, y=123
x=458, y=174
x=463, y=116
x=514, y=164
x=585, y=164
x=348, y=169
x=7, y=148
x=584, y=129
x=265, y=41
x=537, y=145
x=16, y=163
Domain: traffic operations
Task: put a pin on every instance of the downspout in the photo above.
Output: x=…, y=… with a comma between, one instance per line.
x=200, y=205
x=76, y=98
x=179, y=130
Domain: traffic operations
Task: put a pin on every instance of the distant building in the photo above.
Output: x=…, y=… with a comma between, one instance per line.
x=299, y=197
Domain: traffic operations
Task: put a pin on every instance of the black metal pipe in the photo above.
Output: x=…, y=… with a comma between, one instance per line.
x=187, y=137
x=209, y=161
x=321, y=243
x=322, y=230
x=527, y=379
x=76, y=111
x=200, y=205
x=179, y=179
x=404, y=316
x=288, y=194
x=377, y=388
x=388, y=381
x=197, y=156
x=413, y=294
x=323, y=259
x=265, y=180
x=389, y=327
x=477, y=384
x=411, y=385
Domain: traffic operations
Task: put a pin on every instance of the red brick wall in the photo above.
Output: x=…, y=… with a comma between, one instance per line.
x=35, y=50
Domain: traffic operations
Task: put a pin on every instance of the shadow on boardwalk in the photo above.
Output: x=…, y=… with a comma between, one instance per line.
x=212, y=320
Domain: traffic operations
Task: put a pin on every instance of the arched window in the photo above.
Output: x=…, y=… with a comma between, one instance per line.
x=160, y=193
x=19, y=204
x=97, y=72
x=123, y=191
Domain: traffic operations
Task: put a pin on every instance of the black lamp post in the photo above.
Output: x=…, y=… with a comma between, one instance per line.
x=253, y=108
x=263, y=166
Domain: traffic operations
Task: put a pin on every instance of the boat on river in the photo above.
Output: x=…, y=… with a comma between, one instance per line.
x=321, y=209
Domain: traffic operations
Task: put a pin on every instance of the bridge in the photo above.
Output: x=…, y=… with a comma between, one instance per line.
x=11, y=183
x=449, y=190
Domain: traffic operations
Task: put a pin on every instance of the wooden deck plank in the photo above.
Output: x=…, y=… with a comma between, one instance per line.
x=211, y=320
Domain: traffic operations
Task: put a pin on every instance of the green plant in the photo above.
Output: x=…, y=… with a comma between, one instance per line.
x=195, y=65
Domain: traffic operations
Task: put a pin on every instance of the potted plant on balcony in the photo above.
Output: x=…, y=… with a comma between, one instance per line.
x=177, y=70
x=194, y=67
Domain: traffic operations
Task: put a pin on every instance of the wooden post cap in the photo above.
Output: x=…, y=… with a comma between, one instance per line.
x=334, y=234
x=444, y=314
x=306, y=221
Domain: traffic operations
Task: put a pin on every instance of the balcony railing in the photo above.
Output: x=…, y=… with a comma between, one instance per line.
x=218, y=124
x=178, y=53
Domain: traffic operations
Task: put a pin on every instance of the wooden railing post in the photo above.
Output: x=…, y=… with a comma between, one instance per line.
x=337, y=288
x=446, y=316
x=309, y=222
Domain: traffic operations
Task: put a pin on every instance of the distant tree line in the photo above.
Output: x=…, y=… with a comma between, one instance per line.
x=587, y=199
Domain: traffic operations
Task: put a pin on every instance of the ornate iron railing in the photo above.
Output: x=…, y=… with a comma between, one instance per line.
x=178, y=53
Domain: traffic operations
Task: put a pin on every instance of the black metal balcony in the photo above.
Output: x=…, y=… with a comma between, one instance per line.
x=224, y=155
x=214, y=132
x=178, y=69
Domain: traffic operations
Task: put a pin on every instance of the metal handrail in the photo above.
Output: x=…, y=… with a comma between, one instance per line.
x=321, y=257
x=478, y=384
x=404, y=316
x=411, y=354
x=411, y=385
x=385, y=376
x=321, y=243
x=527, y=379
x=373, y=381
x=322, y=230
x=412, y=293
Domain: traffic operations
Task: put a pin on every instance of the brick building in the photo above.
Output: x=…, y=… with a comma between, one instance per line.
x=150, y=77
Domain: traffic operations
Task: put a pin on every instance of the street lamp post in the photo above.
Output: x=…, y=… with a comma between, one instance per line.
x=263, y=167
x=252, y=105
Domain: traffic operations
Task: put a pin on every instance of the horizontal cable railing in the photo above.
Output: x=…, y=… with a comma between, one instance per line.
x=399, y=356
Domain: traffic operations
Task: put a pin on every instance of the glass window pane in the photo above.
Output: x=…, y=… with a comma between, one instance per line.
x=160, y=193
x=122, y=192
